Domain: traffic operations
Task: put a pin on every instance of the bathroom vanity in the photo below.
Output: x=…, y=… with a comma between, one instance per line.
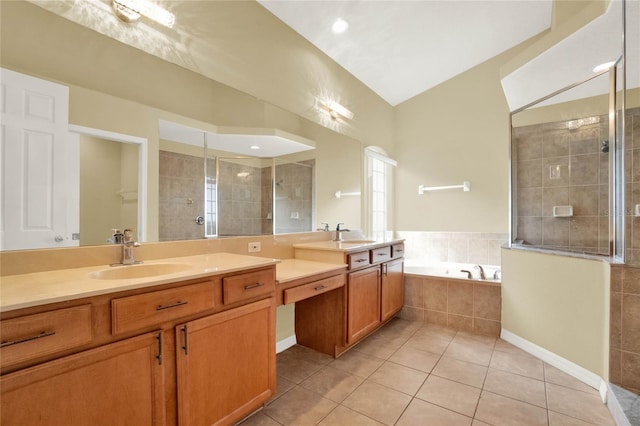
x=197, y=345
x=188, y=340
x=373, y=293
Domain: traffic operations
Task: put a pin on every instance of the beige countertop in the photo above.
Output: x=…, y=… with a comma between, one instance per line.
x=293, y=269
x=347, y=245
x=26, y=290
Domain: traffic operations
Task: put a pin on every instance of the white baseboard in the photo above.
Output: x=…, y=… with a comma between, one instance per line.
x=563, y=364
x=285, y=343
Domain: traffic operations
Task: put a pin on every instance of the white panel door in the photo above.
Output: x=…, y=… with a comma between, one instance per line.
x=39, y=165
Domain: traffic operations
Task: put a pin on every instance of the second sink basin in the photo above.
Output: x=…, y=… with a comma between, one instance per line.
x=139, y=271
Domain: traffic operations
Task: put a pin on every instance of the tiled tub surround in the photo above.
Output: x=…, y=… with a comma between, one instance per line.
x=460, y=247
x=462, y=304
x=624, y=357
x=557, y=166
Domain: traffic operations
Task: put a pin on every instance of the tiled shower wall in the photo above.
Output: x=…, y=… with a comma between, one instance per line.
x=294, y=197
x=558, y=166
x=624, y=346
x=459, y=247
x=632, y=176
x=181, y=179
x=239, y=199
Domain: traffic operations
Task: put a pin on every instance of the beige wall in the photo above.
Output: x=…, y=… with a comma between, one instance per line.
x=559, y=303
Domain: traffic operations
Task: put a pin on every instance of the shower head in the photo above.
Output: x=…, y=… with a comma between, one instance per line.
x=604, y=146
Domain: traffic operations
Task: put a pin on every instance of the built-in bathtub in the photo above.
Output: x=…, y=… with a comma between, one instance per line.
x=442, y=294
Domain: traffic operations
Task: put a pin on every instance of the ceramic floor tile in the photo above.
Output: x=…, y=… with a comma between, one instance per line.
x=299, y=406
x=581, y=405
x=518, y=364
x=437, y=330
x=357, y=363
x=557, y=419
x=415, y=358
x=504, y=346
x=310, y=355
x=517, y=387
x=260, y=419
x=452, y=395
x=399, y=377
x=465, y=351
x=378, y=402
x=558, y=377
x=479, y=423
x=424, y=413
x=499, y=410
x=380, y=348
x=467, y=337
x=429, y=343
x=282, y=386
x=332, y=383
x=343, y=416
x=296, y=369
x=460, y=371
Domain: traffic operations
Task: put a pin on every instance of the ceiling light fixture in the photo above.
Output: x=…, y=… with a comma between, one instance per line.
x=340, y=26
x=604, y=66
x=254, y=147
x=131, y=10
x=334, y=109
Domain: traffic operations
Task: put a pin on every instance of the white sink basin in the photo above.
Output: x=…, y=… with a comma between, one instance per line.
x=144, y=270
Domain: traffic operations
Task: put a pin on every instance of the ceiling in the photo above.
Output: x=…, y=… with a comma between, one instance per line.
x=399, y=49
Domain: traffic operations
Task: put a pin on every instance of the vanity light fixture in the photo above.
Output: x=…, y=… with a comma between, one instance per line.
x=340, y=26
x=132, y=10
x=334, y=109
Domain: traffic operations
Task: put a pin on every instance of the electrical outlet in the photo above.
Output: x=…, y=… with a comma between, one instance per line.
x=254, y=247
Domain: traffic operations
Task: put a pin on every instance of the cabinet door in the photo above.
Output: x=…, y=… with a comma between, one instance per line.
x=226, y=364
x=363, y=303
x=116, y=384
x=392, y=288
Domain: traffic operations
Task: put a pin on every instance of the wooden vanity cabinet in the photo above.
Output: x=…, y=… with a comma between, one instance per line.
x=391, y=288
x=363, y=303
x=195, y=352
x=226, y=364
x=122, y=380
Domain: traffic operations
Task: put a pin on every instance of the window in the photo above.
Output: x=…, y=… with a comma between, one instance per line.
x=379, y=173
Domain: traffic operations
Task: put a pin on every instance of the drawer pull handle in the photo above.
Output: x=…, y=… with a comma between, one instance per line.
x=320, y=287
x=361, y=260
x=28, y=339
x=382, y=254
x=399, y=251
x=173, y=305
x=250, y=286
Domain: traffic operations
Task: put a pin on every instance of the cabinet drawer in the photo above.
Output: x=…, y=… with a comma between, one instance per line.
x=42, y=334
x=305, y=291
x=380, y=254
x=358, y=260
x=153, y=308
x=248, y=286
x=397, y=250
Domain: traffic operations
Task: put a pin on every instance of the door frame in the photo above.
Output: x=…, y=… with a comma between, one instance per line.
x=143, y=148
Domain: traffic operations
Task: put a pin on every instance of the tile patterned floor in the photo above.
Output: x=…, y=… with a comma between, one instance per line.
x=413, y=374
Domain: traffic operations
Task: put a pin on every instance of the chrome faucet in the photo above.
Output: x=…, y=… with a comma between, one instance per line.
x=339, y=232
x=127, y=248
x=325, y=228
x=482, y=275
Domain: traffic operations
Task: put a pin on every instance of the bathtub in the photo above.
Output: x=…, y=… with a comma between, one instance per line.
x=451, y=270
x=441, y=294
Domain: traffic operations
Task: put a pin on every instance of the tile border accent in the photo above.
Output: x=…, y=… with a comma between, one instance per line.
x=563, y=364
